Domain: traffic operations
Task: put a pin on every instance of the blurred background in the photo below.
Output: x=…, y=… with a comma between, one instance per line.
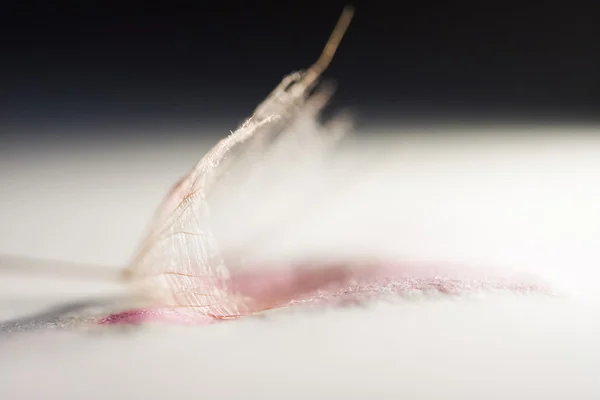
x=91, y=70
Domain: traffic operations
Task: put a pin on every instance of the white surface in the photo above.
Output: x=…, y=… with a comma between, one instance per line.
x=93, y=204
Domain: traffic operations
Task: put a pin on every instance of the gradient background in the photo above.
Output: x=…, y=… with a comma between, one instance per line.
x=143, y=68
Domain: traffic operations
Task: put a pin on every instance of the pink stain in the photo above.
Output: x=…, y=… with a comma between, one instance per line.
x=337, y=285
x=162, y=315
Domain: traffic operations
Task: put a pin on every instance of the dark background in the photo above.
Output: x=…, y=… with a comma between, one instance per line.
x=195, y=63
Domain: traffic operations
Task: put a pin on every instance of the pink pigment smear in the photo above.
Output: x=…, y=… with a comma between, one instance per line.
x=339, y=285
x=156, y=315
